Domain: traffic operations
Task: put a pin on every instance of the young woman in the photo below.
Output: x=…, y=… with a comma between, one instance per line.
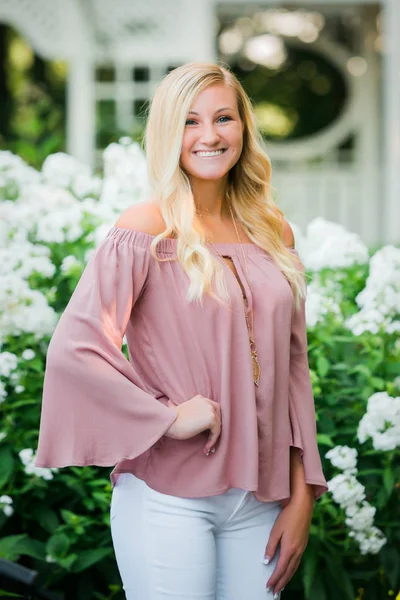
x=211, y=422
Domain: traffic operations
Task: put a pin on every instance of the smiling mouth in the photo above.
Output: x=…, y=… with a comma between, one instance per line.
x=210, y=153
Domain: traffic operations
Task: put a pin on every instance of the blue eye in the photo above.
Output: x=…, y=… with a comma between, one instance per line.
x=190, y=121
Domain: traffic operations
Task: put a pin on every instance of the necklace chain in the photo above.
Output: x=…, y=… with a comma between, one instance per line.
x=250, y=326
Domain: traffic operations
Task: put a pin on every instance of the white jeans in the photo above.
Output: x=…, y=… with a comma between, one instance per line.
x=172, y=548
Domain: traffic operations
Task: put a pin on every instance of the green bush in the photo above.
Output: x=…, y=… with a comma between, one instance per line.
x=57, y=521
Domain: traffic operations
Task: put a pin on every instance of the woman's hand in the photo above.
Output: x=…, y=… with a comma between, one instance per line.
x=290, y=531
x=194, y=416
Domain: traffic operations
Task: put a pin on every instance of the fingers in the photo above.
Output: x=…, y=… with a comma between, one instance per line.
x=291, y=570
x=286, y=566
x=215, y=428
x=273, y=542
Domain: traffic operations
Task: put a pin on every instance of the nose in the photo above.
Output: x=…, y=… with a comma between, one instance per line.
x=209, y=135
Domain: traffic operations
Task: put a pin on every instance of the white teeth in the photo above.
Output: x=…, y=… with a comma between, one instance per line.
x=214, y=153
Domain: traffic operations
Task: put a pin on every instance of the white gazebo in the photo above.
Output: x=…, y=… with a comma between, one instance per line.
x=126, y=36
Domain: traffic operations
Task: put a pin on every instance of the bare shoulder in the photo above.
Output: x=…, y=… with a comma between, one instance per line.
x=288, y=237
x=144, y=216
x=287, y=232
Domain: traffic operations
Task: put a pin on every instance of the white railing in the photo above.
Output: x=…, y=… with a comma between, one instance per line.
x=346, y=195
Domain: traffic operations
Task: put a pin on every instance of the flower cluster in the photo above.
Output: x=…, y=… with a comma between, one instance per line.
x=42, y=209
x=322, y=300
x=5, y=505
x=45, y=215
x=349, y=493
x=379, y=301
x=27, y=457
x=329, y=245
x=381, y=422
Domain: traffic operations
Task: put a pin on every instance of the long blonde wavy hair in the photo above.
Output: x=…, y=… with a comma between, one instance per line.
x=248, y=187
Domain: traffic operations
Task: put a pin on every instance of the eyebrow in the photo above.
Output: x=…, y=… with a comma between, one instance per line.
x=193, y=112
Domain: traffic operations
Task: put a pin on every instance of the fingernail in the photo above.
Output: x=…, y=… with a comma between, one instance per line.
x=268, y=589
x=266, y=560
x=207, y=453
x=213, y=450
x=276, y=596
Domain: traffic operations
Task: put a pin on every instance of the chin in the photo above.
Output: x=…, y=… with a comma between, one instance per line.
x=208, y=176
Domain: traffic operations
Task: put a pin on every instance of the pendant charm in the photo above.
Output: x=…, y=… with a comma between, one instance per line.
x=256, y=367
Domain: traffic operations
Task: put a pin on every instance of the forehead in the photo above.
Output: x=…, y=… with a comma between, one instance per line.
x=214, y=97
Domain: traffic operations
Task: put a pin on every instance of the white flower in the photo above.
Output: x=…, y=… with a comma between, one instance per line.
x=370, y=541
x=125, y=174
x=381, y=422
x=68, y=264
x=328, y=244
x=379, y=301
x=2, y=435
x=343, y=458
x=24, y=258
x=50, y=558
x=346, y=490
x=361, y=517
x=63, y=169
x=5, y=505
x=28, y=458
x=5, y=500
x=320, y=302
x=393, y=327
x=3, y=393
x=28, y=354
x=19, y=389
x=23, y=309
x=8, y=363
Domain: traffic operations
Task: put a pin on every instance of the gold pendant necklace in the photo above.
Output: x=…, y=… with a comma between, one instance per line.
x=250, y=327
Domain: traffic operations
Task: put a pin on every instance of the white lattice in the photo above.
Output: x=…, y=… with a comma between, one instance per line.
x=55, y=28
x=126, y=18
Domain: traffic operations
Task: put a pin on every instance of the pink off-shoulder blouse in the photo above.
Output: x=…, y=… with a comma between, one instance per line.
x=101, y=409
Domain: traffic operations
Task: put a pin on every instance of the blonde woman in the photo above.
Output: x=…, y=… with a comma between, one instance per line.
x=211, y=423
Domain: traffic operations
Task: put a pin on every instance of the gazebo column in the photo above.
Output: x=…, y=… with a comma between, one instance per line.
x=203, y=13
x=391, y=89
x=81, y=109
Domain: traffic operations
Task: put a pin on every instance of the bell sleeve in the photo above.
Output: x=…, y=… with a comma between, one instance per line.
x=94, y=411
x=301, y=401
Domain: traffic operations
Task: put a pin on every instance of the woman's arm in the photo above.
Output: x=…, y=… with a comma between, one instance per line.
x=301, y=492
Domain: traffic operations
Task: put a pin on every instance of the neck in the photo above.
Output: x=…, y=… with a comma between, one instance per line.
x=210, y=198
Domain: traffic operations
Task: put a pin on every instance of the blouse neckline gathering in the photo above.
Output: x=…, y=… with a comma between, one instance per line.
x=169, y=245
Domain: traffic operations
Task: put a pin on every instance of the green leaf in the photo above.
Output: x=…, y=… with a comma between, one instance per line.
x=6, y=465
x=33, y=548
x=309, y=566
x=324, y=440
x=390, y=560
x=388, y=480
x=318, y=589
x=46, y=517
x=341, y=577
x=378, y=383
x=322, y=366
x=69, y=517
x=9, y=546
x=58, y=544
x=67, y=561
x=88, y=558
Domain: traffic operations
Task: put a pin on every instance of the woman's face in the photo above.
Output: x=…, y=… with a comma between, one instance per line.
x=213, y=137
